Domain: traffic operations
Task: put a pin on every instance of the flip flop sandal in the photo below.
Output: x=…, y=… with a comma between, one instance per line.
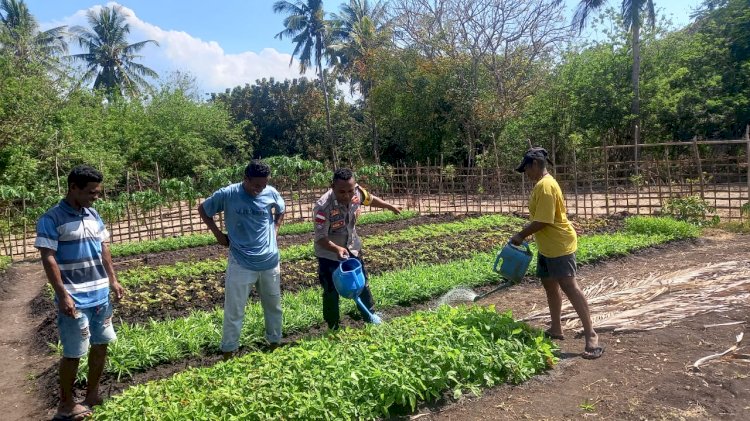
x=593, y=353
x=551, y=335
x=73, y=416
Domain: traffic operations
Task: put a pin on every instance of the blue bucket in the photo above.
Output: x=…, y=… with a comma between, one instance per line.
x=349, y=281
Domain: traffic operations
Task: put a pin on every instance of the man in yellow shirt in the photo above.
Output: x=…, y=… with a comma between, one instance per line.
x=557, y=243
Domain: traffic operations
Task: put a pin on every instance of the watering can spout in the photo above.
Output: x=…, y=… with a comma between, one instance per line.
x=349, y=281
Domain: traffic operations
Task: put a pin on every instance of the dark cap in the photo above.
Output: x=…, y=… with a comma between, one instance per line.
x=533, y=154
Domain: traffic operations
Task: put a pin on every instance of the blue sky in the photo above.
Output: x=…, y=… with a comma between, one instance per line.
x=225, y=43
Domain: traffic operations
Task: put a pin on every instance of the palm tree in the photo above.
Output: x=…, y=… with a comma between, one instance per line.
x=630, y=11
x=305, y=22
x=109, y=58
x=20, y=35
x=360, y=30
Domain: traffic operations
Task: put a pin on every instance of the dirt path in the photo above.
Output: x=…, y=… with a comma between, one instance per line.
x=22, y=362
x=642, y=375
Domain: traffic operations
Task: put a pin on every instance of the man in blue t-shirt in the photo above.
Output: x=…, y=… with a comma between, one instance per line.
x=253, y=211
x=71, y=239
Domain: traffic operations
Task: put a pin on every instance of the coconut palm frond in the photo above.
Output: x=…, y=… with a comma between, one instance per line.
x=655, y=301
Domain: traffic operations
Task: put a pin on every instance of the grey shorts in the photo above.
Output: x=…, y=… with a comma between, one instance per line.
x=556, y=267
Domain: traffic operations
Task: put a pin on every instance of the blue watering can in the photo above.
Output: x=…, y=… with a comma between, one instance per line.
x=349, y=282
x=515, y=261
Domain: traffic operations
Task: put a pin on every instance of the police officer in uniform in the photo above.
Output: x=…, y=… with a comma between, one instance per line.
x=335, y=216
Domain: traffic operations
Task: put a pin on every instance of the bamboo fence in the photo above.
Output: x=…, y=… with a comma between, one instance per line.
x=596, y=182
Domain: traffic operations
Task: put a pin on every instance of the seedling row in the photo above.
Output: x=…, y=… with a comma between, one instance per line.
x=142, y=346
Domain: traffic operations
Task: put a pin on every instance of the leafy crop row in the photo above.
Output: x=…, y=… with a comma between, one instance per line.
x=198, y=240
x=142, y=346
x=305, y=251
x=353, y=374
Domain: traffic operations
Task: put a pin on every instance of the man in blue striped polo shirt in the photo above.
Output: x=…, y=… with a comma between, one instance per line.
x=71, y=239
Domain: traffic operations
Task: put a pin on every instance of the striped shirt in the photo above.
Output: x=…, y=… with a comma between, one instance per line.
x=76, y=237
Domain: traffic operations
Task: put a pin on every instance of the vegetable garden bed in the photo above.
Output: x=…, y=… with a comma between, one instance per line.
x=142, y=346
x=353, y=374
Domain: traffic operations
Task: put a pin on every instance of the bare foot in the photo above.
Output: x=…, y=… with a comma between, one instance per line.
x=592, y=340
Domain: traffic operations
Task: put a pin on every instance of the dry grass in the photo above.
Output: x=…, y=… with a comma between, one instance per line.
x=659, y=300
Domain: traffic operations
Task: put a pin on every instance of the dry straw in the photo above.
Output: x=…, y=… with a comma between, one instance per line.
x=659, y=300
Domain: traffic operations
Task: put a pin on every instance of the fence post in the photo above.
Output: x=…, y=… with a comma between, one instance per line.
x=554, y=157
x=575, y=181
x=480, y=188
x=606, y=176
x=466, y=189
x=429, y=187
x=700, y=167
x=419, y=189
x=747, y=145
x=591, y=182
x=440, y=186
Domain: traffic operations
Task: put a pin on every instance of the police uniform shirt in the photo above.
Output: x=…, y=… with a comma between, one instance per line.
x=337, y=222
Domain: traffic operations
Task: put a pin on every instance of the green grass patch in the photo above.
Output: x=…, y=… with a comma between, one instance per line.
x=5, y=262
x=198, y=240
x=143, y=346
x=661, y=225
x=736, y=227
x=354, y=374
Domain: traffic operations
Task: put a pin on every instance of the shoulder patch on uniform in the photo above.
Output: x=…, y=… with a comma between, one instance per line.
x=320, y=217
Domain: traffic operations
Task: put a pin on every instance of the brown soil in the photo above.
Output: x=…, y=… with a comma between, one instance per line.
x=180, y=297
x=215, y=251
x=642, y=375
x=23, y=360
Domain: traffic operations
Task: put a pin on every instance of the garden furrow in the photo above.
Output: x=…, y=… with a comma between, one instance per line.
x=355, y=374
x=143, y=346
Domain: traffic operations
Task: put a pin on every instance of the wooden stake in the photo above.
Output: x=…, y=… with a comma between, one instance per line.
x=606, y=178
x=440, y=186
x=747, y=145
x=700, y=167
x=575, y=181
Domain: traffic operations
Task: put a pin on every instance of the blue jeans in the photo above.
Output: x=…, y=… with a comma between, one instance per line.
x=239, y=281
x=91, y=325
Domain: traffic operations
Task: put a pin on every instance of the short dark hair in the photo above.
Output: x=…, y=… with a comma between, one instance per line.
x=343, y=174
x=257, y=168
x=82, y=175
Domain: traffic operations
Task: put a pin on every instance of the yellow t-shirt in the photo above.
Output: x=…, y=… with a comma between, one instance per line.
x=548, y=205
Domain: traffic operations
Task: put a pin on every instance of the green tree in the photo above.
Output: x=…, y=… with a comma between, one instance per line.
x=361, y=29
x=110, y=60
x=631, y=12
x=280, y=118
x=20, y=35
x=305, y=22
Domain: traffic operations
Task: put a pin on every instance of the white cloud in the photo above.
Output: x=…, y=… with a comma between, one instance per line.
x=214, y=69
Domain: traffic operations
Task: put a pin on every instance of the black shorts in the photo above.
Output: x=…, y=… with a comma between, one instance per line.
x=556, y=267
